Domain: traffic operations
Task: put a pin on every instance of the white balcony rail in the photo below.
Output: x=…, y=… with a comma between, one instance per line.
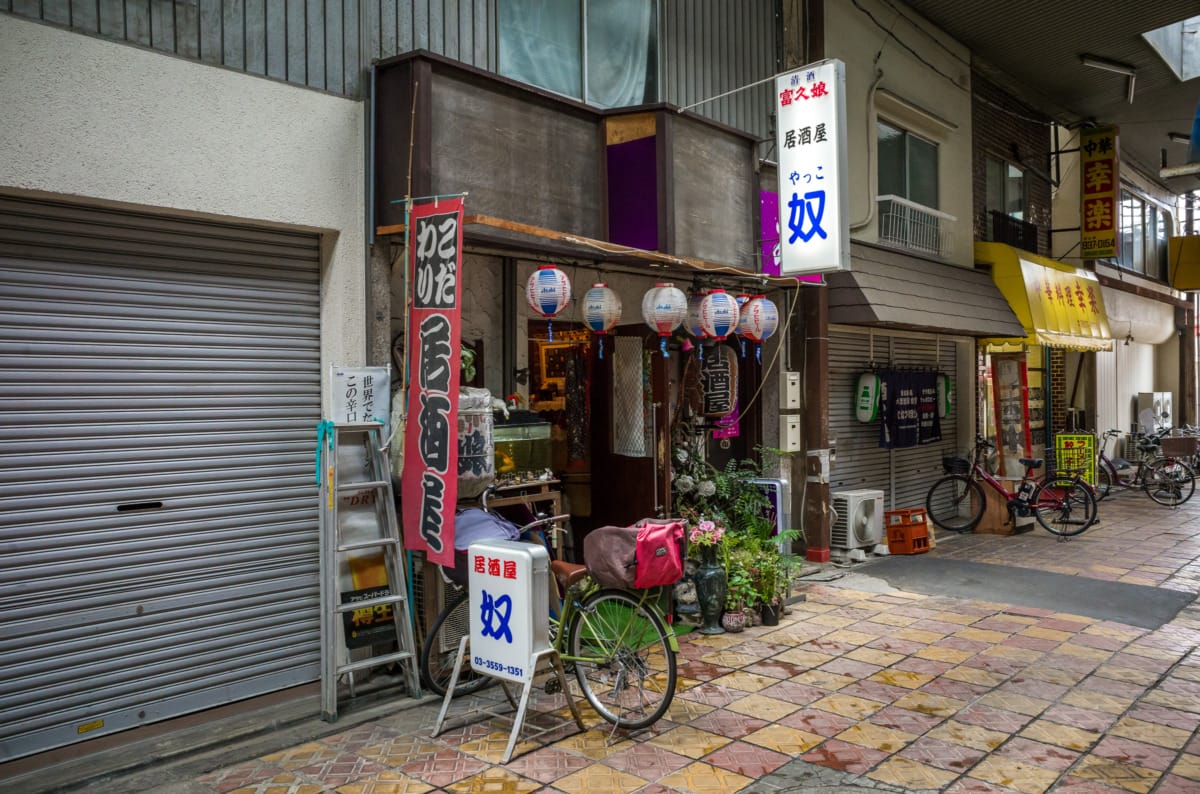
x=906, y=224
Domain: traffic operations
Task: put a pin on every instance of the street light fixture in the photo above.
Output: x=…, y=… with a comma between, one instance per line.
x=1112, y=66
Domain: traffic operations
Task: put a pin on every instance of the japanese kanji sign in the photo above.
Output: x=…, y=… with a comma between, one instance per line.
x=1076, y=451
x=361, y=394
x=430, y=481
x=1100, y=190
x=814, y=233
x=508, y=588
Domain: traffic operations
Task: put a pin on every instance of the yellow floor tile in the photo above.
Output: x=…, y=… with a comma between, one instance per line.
x=1115, y=773
x=982, y=635
x=1187, y=673
x=494, y=781
x=1116, y=634
x=784, y=637
x=1152, y=653
x=689, y=741
x=1084, y=652
x=1060, y=735
x=919, y=635
x=1021, y=704
x=747, y=682
x=1188, y=766
x=401, y=750
x=1127, y=674
x=968, y=735
x=901, y=678
x=762, y=707
x=1014, y=774
x=1096, y=701
x=877, y=737
x=889, y=619
x=389, y=782
x=822, y=679
x=973, y=675
x=1027, y=655
x=684, y=711
x=1046, y=634
x=956, y=617
x=599, y=779
x=1067, y=616
x=939, y=654
x=1152, y=733
x=702, y=778
x=727, y=658
x=783, y=739
x=833, y=621
x=804, y=658
x=873, y=656
x=926, y=703
x=594, y=744
x=1054, y=675
x=850, y=637
x=848, y=706
x=1174, y=700
x=912, y=774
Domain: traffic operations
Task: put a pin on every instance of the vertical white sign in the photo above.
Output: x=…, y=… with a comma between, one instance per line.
x=361, y=394
x=509, y=610
x=814, y=222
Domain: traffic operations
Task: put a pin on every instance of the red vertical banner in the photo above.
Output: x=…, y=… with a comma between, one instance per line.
x=429, y=486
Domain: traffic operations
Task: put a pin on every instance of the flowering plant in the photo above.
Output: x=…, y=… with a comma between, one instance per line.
x=706, y=533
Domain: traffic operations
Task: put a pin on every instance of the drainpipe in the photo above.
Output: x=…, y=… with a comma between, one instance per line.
x=871, y=177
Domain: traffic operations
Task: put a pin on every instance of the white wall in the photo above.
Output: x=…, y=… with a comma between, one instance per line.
x=120, y=125
x=851, y=37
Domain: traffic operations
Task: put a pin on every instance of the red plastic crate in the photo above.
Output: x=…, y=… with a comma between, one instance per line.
x=910, y=539
x=904, y=517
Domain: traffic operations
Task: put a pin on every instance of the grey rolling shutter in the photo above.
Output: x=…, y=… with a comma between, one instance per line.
x=904, y=475
x=160, y=385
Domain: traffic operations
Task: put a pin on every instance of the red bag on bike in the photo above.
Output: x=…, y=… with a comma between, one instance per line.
x=659, y=554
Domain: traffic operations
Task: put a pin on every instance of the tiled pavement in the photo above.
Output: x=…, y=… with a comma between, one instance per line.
x=891, y=691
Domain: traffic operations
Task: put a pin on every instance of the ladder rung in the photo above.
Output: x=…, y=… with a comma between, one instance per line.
x=371, y=602
x=374, y=661
x=363, y=485
x=367, y=544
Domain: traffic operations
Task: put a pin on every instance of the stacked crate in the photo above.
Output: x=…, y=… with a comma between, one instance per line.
x=906, y=531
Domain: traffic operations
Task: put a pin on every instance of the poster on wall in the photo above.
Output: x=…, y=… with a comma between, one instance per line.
x=1010, y=391
x=430, y=482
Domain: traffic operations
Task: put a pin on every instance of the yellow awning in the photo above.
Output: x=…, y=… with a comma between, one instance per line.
x=1183, y=262
x=1059, y=305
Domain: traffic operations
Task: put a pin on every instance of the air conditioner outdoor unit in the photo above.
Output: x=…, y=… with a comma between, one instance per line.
x=859, y=520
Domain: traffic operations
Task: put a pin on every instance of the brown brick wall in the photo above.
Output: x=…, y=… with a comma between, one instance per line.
x=1001, y=122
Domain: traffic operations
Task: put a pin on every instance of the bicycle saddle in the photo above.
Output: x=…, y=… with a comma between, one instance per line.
x=567, y=573
x=1030, y=463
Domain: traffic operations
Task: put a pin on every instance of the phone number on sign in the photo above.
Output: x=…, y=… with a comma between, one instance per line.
x=488, y=664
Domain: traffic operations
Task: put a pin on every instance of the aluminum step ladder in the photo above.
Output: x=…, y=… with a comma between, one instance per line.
x=358, y=517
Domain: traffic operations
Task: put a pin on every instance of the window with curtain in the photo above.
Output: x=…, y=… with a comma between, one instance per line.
x=604, y=52
x=1143, y=228
x=908, y=165
x=1005, y=189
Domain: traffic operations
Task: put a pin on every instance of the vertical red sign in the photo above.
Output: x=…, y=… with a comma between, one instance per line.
x=430, y=482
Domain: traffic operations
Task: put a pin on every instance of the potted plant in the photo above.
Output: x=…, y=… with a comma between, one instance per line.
x=705, y=536
x=739, y=593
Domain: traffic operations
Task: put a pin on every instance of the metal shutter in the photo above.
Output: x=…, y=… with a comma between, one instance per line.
x=160, y=387
x=904, y=475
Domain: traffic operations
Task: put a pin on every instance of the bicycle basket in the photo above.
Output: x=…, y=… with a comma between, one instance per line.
x=956, y=464
x=1179, y=446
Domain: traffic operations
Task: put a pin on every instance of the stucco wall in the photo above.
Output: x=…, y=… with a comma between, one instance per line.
x=851, y=37
x=120, y=125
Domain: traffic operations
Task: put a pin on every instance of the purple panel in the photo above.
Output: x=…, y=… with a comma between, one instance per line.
x=769, y=226
x=633, y=194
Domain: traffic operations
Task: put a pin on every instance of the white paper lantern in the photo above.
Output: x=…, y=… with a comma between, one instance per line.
x=692, y=322
x=664, y=308
x=760, y=319
x=718, y=314
x=548, y=292
x=742, y=300
x=601, y=311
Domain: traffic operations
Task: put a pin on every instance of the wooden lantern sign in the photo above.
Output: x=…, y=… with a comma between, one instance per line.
x=719, y=380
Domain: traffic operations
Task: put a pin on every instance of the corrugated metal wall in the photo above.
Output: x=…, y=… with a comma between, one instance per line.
x=708, y=46
x=904, y=475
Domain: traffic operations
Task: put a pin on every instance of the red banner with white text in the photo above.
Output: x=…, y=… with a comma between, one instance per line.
x=429, y=486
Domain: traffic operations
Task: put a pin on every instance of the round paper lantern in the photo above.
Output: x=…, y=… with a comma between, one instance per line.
x=664, y=308
x=760, y=318
x=718, y=314
x=742, y=300
x=548, y=292
x=601, y=310
x=866, y=397
x=692, y=322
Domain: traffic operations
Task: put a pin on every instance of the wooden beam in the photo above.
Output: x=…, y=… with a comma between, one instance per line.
x=384, y=231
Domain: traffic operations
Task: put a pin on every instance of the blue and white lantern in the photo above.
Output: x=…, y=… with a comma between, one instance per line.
x=548, y=292
x=759, y=321
x=664, y=308
x=718, y=314
x=601, y=311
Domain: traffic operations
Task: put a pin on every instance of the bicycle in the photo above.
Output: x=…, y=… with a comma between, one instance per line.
x=618, y=643
x=1063, y=504
x=1166, y=479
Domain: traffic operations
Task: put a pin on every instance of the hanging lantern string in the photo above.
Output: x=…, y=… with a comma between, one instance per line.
x=771, y=364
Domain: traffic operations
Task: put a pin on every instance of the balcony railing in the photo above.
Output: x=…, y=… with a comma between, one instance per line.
x=1012, y=231
x=906, y=224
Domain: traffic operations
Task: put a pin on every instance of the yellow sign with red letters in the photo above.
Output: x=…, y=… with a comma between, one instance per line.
x=1100, y=191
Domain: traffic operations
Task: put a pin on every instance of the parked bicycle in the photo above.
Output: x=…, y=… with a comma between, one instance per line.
x=1166, y=479
x=618, y=642
x=1063, y=504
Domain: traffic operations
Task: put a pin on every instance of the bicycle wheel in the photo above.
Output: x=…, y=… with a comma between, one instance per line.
x=622, y=658
x=1064, y=506
x=1104, y=482
x=440, y=648
x=955, y=503
x=1170, y=482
